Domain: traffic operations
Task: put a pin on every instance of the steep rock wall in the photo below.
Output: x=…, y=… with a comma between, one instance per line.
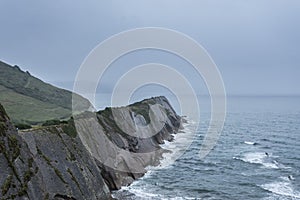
x=112, y=148
x=132, y=136
x=46, y=163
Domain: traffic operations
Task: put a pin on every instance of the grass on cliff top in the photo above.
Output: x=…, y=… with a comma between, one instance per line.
x=29, y=100
x=24, y=83
x=24, y=109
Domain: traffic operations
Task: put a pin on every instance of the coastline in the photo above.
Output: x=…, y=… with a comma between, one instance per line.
x=88, y=162
x=173, y=151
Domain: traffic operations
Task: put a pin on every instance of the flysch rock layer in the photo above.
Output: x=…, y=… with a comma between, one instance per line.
x=110, y=149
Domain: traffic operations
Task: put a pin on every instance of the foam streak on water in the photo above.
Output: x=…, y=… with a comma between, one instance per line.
x=178, y=146
x=282, y=189
x=257, y=157
x=141, y=189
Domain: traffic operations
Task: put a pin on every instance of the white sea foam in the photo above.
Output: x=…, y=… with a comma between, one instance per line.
x=141, y=192
x=181, y=198
x=177, y=147
x=260, y=158
x=250, y=143
x=282, y=189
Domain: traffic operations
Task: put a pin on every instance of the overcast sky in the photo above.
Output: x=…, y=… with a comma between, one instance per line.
x=255, y=44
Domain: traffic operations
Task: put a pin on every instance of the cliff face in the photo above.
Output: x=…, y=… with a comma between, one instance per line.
x=47, y=163
x=111, y=149
x=130, y=136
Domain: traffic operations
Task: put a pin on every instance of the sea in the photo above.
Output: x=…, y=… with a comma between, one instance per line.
x=256, y=157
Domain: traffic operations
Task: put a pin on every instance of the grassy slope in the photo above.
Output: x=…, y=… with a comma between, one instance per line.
x=28, y=99
x=24, y=109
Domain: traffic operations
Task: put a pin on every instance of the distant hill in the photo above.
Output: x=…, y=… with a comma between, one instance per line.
x=29, y=100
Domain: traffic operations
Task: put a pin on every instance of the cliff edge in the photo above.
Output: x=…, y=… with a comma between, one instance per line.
x=88, y=157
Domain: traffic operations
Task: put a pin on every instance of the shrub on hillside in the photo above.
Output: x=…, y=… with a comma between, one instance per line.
x=51, y=122
x=22, y=126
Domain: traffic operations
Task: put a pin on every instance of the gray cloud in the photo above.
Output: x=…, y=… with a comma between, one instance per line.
x=254, y=43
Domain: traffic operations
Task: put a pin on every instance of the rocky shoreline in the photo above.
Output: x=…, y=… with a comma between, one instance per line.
x=58, y=162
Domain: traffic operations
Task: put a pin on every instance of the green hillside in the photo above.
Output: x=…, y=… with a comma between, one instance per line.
x=30, y=100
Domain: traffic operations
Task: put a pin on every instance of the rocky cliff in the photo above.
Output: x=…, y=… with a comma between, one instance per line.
x=107, y=150
x=46, y=163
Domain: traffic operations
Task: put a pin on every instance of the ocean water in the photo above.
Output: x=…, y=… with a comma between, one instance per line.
x=256, y=157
